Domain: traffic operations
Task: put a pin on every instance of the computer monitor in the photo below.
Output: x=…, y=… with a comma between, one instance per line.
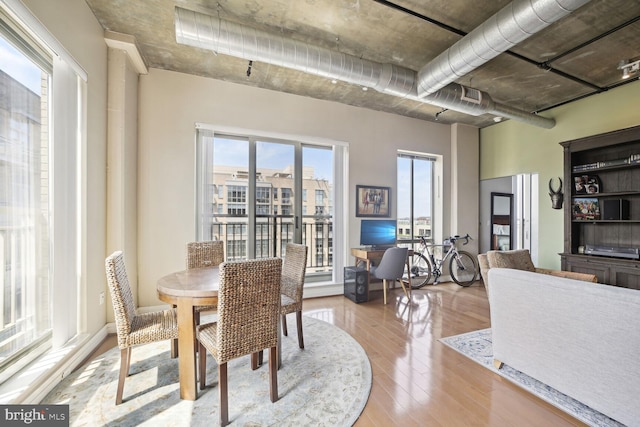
x=378, y=233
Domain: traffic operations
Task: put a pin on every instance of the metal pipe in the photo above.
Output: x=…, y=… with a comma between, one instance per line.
x=233, y=39
x=514, y=23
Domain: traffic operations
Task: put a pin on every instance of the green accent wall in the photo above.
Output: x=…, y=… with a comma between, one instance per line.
x=511, y=147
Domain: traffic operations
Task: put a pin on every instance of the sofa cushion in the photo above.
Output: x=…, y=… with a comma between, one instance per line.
x=518, y=259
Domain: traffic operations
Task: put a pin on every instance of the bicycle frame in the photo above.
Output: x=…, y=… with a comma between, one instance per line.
x=463, y=261
x=438, y=263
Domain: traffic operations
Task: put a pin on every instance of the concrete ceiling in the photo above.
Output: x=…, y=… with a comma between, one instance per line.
x=573, y=58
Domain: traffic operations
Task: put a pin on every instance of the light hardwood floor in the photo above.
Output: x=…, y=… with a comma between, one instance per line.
x=418, y=381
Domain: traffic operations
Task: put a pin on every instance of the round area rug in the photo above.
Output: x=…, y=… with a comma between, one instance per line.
x=327, y=383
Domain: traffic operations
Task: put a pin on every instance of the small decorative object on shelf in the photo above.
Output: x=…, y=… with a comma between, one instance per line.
x=615, y=162
x=634, y=159
x=586, y=209
x=587, y=184
x=586, y=167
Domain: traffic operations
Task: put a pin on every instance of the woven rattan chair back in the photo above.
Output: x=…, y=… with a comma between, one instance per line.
x=248, y=307
x=294, y=269
x=133, y=328
x=205, y=254
x=121, y=296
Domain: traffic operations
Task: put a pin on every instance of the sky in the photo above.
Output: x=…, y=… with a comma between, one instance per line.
x=279, y=156
x=19, y=67
x=273, y=156
x=422, y=186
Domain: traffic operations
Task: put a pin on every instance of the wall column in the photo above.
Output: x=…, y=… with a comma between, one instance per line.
x=465, y=183
x=124, y=66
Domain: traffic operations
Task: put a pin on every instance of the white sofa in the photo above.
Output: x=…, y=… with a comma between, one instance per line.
x=581, y=338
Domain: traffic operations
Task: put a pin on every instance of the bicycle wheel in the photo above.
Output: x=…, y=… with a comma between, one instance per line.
x=420, y=271
x=463, y=268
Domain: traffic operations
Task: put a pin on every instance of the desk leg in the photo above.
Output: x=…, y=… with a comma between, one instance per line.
x=187, y=350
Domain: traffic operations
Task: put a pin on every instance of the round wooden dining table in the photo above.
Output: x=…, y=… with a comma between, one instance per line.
x=187, y=289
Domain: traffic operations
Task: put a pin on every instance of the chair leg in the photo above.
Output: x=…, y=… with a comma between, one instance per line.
x=128, y=360
x=404, y=288
x=202, y=365
x=125, y=358
x=174, y=348
x=384, y=289
x=273, y=374
x=255, y=357
x=299, y=323
x=224, y=401
x=284, y=325
x=174, y=344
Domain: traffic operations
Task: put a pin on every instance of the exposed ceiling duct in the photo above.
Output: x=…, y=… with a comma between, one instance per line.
x=512, y=24
x=229, y=38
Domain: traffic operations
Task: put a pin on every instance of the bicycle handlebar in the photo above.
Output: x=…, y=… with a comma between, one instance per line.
x=465, y=237
x=452, y=239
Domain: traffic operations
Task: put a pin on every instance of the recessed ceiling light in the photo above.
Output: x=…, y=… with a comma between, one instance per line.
x=365, y=88
x=334, y=81
x=497, y=119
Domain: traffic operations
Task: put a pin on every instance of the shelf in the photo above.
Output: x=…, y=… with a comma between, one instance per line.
x=603, y=169
x=619, y=182
x=605, y=194
x=604, y=221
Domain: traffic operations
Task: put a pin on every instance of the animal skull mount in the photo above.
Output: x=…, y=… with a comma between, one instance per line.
x=556, y=195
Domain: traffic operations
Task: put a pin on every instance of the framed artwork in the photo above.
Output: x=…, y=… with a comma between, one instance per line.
x=585, y=209
x=587, y=184
x=373, y=201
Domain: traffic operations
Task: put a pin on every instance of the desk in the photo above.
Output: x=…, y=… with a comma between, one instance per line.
x=186, y=289
x=367, y=255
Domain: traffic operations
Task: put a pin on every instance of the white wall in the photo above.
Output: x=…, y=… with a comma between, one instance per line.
x=171, y=103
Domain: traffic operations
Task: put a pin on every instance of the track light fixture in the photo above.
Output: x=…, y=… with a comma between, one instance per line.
x=628, y=68
x=440, y=112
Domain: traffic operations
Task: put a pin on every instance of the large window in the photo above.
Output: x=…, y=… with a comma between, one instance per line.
x=415, y=197
x=25, y=316
x=39, y=155
x=265, y=179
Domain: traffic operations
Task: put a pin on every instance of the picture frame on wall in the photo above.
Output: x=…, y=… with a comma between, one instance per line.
x=373, y=201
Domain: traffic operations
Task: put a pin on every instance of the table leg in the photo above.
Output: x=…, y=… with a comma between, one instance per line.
x=187, y=350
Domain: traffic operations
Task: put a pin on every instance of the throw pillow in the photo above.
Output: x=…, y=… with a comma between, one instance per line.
x=519, y=259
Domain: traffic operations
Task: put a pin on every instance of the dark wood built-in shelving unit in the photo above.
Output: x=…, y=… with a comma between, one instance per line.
x=584, y=225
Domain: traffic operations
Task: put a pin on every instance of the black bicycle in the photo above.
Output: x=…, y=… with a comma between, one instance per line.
x=463, y=267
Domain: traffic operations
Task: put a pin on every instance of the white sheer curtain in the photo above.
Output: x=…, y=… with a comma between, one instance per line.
x=42, y=95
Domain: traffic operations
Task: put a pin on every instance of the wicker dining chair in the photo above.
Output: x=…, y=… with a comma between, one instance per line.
x=204, y=254
x=248, y=309
x=132, y=328
x=292, y=284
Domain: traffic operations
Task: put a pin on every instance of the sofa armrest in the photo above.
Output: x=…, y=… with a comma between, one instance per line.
x=586, y=277
x=483, y=263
